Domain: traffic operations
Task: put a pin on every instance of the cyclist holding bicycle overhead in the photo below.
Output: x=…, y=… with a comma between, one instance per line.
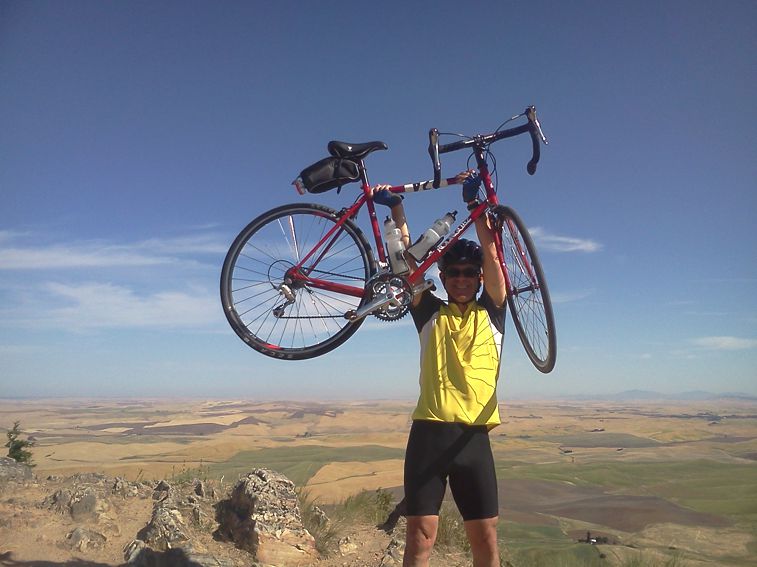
x=460, y=354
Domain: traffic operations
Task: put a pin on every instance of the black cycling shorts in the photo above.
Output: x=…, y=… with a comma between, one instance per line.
x=437, y=451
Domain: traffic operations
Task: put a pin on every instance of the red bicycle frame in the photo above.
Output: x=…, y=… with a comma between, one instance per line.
x=301, y=273
x=478, y=144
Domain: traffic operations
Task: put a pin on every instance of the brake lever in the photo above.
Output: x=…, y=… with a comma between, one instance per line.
x=539, y=130
x=531, y=113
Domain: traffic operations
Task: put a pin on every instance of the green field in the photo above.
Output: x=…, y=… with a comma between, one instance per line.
x=300, y=463
x=725, y=491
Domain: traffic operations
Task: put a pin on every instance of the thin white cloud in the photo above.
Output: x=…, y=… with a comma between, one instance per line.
x=92, y=306
x=556, y=243
x=725, y=343
x=100, y=254
x=193, y=244
x=74, y=256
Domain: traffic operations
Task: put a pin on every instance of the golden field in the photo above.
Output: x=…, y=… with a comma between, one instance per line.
x=672, y=478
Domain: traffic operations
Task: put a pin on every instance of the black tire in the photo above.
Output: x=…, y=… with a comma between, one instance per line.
x=528, y=296
x=254, y=269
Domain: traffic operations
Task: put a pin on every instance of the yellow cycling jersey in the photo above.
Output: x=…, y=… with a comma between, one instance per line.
x=460, y=356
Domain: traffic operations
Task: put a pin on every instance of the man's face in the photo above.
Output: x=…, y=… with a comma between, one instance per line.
x=461, y=282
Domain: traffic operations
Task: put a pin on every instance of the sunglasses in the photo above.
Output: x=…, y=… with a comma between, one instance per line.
x=464, y=272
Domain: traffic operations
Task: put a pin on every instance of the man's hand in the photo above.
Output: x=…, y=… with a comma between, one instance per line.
x=383, y=196
x=471, y=183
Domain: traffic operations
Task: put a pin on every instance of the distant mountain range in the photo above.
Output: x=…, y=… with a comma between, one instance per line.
x=691, y=396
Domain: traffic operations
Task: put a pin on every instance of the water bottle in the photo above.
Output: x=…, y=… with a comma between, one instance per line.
x=395, y=247
x=432, y=236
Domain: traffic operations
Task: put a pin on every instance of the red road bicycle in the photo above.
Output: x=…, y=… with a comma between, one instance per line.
x=300, y=279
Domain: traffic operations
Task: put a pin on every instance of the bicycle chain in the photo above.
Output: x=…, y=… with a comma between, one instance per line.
x=335, y=274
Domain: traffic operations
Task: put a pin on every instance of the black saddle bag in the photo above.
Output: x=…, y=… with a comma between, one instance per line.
x=329, y=173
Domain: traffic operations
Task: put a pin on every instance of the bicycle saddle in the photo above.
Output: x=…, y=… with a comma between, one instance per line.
x=354, y=151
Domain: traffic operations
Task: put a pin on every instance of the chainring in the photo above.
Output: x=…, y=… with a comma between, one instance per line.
x=399, y=285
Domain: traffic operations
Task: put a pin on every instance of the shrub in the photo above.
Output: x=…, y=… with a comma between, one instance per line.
x=325, y=531
x=451, y=533
x=17, y=447
x=369, y=506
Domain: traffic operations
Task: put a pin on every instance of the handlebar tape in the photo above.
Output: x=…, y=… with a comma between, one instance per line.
x=531, y=167
x=433, y=151
x=532, y=127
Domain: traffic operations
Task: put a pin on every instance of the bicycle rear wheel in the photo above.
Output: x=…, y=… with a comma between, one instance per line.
x=277, y=309
x=527, y=296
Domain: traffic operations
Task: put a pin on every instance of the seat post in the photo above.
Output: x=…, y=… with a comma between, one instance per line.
x=363, y=173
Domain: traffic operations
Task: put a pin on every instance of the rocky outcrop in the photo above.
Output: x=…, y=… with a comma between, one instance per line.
x=83, y=539
x=105, y=520
x=393, y=554
x=263, y=517
x=11, y=470
x=172, y=512
x=80, y=502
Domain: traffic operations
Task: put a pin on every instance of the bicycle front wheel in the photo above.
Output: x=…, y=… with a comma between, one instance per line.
x=527, y=294
x=286, y=308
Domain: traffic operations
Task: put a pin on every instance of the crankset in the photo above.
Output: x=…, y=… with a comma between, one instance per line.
x=390, y=285
x=389, y=297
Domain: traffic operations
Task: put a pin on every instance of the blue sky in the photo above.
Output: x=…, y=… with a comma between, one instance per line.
x=138, y=138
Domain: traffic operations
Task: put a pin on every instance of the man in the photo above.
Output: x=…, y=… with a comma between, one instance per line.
x=460, y=352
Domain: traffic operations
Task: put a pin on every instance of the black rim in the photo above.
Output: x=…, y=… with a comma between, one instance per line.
x=529, y=297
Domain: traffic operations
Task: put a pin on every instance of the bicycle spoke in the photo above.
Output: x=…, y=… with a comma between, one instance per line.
x=251, y=297
x=250, y=270
x=308, y=320
x=257, y=249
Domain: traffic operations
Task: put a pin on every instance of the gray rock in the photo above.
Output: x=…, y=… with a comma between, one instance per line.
x=263, y=517
x=319, y=516
x=346, y=546
x=83, y=503
x=11, y=470
x=166, y=528
x=89, y=478
x=138, y=554
x=132, y=550
x=199, y=488
x=124, y=488
x=393, y=553
x=82, y=539
x=79, y=502
x=162, y=491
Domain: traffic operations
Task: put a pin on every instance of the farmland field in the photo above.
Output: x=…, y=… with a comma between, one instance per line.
x=673, y=480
